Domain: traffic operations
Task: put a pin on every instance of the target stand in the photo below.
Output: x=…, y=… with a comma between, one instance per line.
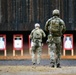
x=68, y=43
x=3, y=43
x=18, y=43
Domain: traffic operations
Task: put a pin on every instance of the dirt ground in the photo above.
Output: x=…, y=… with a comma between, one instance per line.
x=36, y=70
x=25, y=67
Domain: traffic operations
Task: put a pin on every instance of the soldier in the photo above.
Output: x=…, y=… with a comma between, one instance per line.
x=56, y=28
x=36, y=36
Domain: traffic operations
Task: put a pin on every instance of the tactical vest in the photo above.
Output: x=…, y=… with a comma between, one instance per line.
x=55, y=27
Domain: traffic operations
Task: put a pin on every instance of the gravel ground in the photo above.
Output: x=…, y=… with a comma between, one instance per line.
x=25, y=67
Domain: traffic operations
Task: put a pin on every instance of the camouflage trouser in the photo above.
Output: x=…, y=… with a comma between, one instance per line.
x=55, y=50
x=37, y=50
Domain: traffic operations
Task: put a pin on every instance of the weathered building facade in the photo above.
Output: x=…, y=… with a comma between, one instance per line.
x=21, y=15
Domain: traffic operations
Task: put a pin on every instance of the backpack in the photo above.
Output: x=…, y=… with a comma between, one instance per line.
x=37, y=34
x=55, y=27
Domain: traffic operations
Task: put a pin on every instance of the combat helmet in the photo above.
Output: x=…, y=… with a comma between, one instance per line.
x=37, y=25
x=56, y=12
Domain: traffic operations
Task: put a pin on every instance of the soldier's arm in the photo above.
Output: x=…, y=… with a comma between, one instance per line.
x=63, y=26
x=43, y=33
x=31, y=34
x=47, y=25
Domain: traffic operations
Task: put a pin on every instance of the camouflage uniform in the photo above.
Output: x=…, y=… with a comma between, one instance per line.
x=37, y=43
x=54, y=43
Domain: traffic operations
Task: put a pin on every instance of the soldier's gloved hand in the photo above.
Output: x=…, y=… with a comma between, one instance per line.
x=42, y=44
x=47, y=41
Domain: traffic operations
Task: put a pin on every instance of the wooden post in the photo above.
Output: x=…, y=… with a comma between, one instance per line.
x=5, y=54
x=22, y=52
x=48, y=51
x=72, y=52
x=64, y=52
x=29, y=44
x=30, y=50
x=13, y=52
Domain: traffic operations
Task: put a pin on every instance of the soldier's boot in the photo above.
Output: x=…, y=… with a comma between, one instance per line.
x=33, y=59
x=52, y=64
x=58, y=65
x=34, y=63
x=38, y=60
